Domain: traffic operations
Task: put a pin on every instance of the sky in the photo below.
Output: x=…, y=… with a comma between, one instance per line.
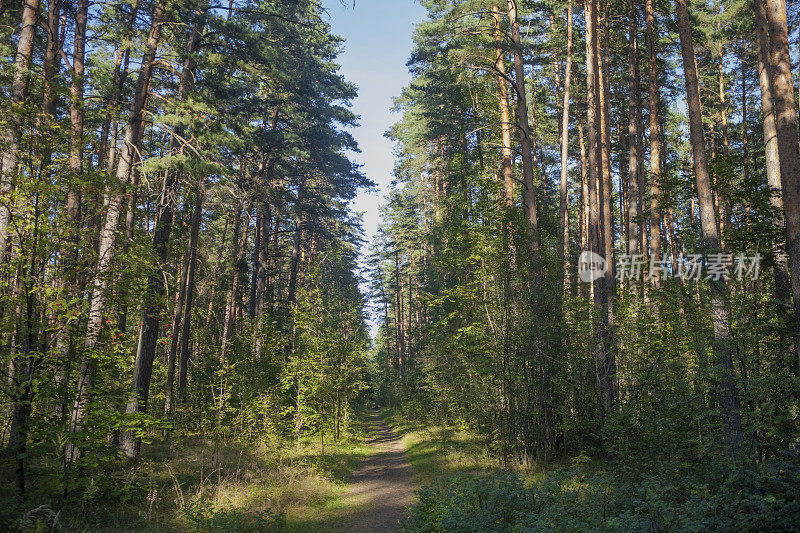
x=377, y=46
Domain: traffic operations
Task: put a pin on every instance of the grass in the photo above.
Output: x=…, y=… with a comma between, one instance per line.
x=197, y=485
x=437, y=452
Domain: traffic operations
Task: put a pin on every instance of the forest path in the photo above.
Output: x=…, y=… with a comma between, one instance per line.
x=383, y=486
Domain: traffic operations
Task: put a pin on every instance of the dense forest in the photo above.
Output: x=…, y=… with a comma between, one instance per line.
x=662, y=137
x=589, y=260
x=177, y=254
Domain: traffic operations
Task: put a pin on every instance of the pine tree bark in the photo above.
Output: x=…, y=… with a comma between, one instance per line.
x=177, y=320
x=151, y=314
x=240, y=241
x=634, y=131
x=529, y=196
x=592, y=133
x=563, y=207
x=786, y=125
x=584, y=221
x=294, y=266
x=194, y=237
x=609, y=280
x=50, y=69
x=11, y=134
x=655, y=142
x=773, y=166
x=108, y=234
x=727, y=393
x=507, y=163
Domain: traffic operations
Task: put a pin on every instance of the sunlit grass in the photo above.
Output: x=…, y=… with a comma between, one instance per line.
x=437, y=451
x=197, y=484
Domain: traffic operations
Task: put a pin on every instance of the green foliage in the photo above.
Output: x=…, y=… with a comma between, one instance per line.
x=201, y=516
x=716, y=497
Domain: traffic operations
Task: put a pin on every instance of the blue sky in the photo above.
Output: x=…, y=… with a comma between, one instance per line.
x=377, y=47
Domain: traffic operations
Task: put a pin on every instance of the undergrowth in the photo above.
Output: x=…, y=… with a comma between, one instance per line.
x=717, y=496
x=193, y=484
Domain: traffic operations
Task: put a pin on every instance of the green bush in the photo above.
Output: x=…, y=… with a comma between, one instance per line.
x=203, y=517
x=720, y=497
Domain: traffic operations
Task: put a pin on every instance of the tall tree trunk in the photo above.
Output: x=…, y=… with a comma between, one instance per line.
x=177, y=320
x=606, y=360
x=745, y=118
x=11, y=134
x=780, y=267
x=728, y=396
x=786, y=125
x=297, y=242
x=251, y=302
x=49, y=82
x=240, y=241
x=527, y=160
x=536, y=275
x=722, y=194
x=634, y=130
x=151, y=313
x=108, y=233
x=584, y=222
x=507, y=164
x=261, y=253
x=74, y=283
x=194, y=237
x=592, y=133
x=563, y=207
x=606, y=188
x=655, y=142
x=594, y=101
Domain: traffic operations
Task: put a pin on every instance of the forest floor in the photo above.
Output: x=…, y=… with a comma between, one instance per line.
x=195, y=484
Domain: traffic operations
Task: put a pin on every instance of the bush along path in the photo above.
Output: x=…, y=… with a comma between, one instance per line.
x=383, y=486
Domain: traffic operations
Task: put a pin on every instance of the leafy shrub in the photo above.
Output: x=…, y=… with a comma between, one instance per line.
x=201, y=516
x=464, y=503
x=722, y=497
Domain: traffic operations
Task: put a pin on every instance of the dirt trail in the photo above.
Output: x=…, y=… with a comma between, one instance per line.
x=383, y=486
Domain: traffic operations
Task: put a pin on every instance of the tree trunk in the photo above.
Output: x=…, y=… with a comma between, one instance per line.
x=240, y=241
x=563, y=207
x=780, y=268
x=590, y=14
x=51, y=57
x=655, y=143
x=527, y=161
x=584, y=222
x=294, y=266
x=605, y=158
x=728, y=396
x=194, y=237
x=11, y=134
x=537, y=301
x=251, y=303
x=785, y=114
x=177, y=319
x=108, y=233
x=507, y=164
x=151, y=314
x=634, y=131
